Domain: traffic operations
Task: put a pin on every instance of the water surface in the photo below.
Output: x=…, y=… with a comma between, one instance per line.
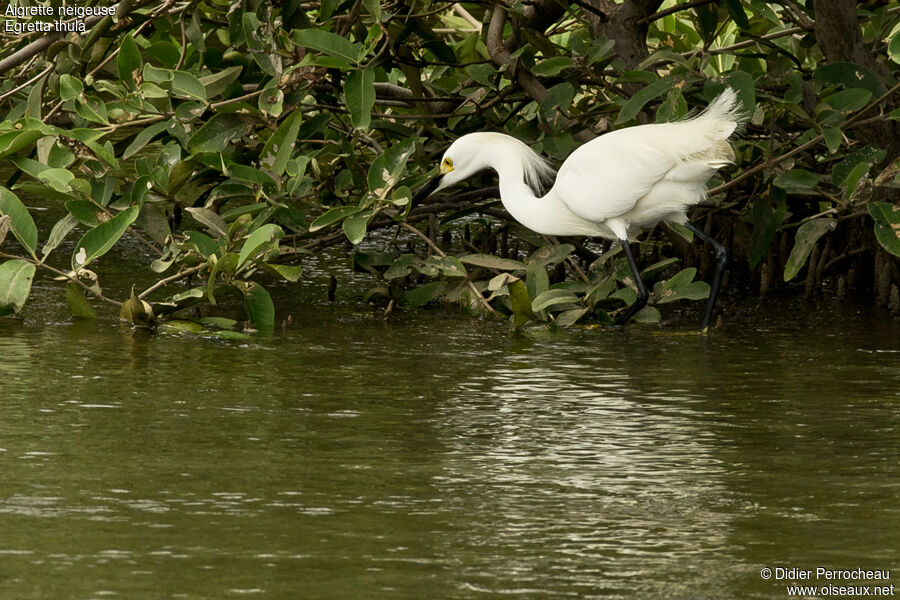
x=438, y=456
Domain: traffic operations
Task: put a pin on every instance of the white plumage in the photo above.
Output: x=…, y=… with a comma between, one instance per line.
x=614, y=186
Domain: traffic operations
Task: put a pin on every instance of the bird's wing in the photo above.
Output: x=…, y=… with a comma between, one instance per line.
x=606, y=177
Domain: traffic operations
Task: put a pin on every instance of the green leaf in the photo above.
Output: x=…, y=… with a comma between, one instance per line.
x=329, y=43
x=151, y=91
x=681, y=287
x=481, y=73
x=280, y=145
x=332, y=216
x=552, y=298
x=20, y=222
x=259, y=306
x=401, y=267
x=85, y=212
x=850, y=75
x=520, y=301
x=601, y=290
x=567, y=318
x=768, y=213
x=853, y=177
x=550, y=254
x=448, y=265
x=78, y=304
x=489, y=261
x=179, y=326
x=59, y=232
x=35, y=98
x=642, y=97
x=673, y=107
x=290, y=273
x=15, y=285
x=28, y=165
x=186, y=85
x=271, y=101
x=104, y=152
x=212, y=220
x=359, y=94
x=13, y=141
x=137, y=312
x=97, y=242
x=707, y=21
x=355, y=226
x=216, y=83
x=228, y=335
x=625, y=294
x=57, y=179
x=188, y=295
x=736, y=10
x=92, y=109
x=386, y=170
x=648, y=315
x=154, y=74
x=374, y=8
x=69, y=87
x=797, y=181
x=425, y=293
x=536, y=279
x=849, y=100
x=887, y=225
x=657, y=268
x=682, y=231
x=559, y=98
x=220, y=322
x=259, y=238
x=833, y=138
x=807, y=236
x=129, y=61
x=744, y=84
x=553, y=66
x=203, y=244
x=894, y=48
x=219, y=131
x=144, y=137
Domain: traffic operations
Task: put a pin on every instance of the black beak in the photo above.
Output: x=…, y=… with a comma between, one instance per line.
x=425, y=191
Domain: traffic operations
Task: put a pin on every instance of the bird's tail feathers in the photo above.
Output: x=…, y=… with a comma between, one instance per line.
x=725, y=112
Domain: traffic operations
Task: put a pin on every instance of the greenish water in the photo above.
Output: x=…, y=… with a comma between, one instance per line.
x=435, y=456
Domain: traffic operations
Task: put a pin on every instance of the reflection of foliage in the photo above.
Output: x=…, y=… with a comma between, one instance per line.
x=233, y=140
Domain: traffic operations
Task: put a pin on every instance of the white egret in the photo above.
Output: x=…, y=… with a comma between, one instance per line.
x=614, y=186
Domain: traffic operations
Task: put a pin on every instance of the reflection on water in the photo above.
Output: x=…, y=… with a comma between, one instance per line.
x=440, y=457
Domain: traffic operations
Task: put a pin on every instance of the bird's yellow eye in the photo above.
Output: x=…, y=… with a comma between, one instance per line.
x=446, y=165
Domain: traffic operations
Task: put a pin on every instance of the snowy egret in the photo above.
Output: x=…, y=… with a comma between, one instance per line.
x=614, y=187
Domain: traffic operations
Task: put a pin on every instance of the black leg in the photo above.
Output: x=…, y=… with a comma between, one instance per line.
x=721, y=256
x=643, y=294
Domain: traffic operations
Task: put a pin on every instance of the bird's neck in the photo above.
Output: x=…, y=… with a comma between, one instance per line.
x=546, y=215
x=517, y=196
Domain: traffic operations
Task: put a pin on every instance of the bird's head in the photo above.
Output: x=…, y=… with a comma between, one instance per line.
x=465, y=157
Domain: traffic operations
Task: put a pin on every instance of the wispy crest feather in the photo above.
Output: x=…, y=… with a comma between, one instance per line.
x=538, y=172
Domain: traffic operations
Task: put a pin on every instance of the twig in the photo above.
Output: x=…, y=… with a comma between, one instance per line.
x=164, y=282
x=458, y=9
x=27, y=83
